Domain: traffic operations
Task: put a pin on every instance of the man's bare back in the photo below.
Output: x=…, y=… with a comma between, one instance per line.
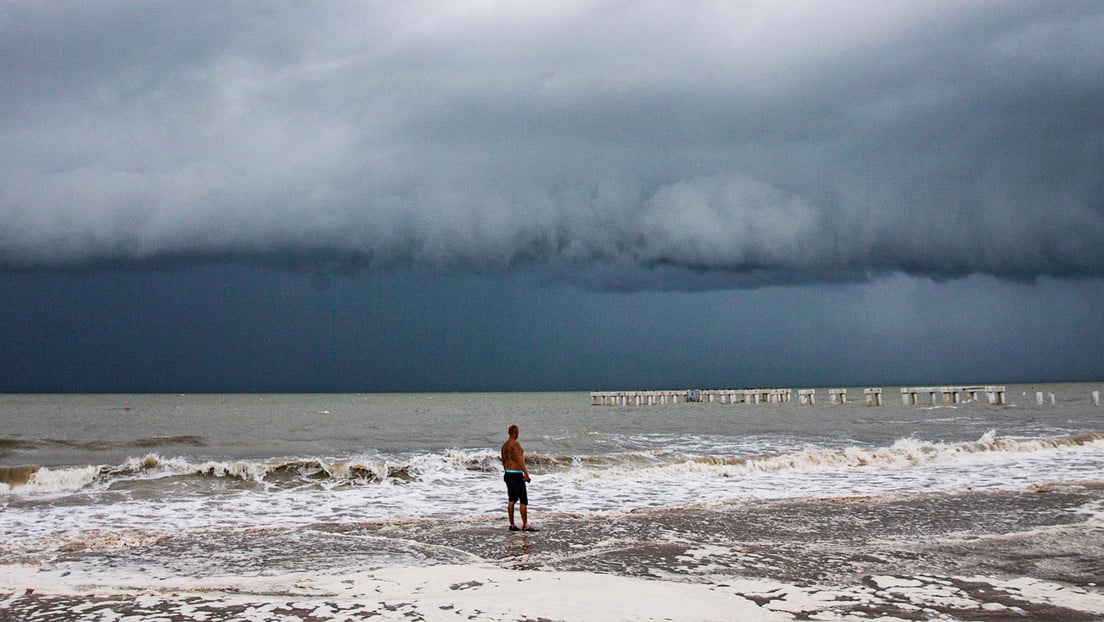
x=513, y=457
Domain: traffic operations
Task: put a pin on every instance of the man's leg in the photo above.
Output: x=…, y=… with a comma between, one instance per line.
x=510, y=509
x=524, y=516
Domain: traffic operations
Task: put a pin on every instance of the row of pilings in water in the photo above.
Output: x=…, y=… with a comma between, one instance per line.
x=994, y=394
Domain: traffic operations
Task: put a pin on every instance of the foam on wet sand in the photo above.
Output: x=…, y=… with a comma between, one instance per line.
x=1029, y=556
x=453, y=592
x=485, y=592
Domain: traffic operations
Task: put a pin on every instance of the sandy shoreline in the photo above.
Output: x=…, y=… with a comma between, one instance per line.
x=431, y=593
x=482, y=592
x=1032, y=555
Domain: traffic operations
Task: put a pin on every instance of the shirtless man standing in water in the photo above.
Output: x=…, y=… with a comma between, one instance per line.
x=513, y=460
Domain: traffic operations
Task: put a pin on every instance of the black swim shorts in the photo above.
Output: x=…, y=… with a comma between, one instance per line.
x=515, y=487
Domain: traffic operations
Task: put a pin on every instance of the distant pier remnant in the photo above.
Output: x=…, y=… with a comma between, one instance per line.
x=873, y=396
x=720, y=396
x=638, y=398
x=995, y=394
x=755, y=396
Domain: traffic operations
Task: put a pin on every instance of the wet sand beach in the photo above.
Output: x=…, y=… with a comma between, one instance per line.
x=1036, y=554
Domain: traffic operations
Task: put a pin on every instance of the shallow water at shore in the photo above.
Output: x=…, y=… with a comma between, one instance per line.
x=910, y=557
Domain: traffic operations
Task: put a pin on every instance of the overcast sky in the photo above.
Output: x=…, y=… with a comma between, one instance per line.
x=572, y=195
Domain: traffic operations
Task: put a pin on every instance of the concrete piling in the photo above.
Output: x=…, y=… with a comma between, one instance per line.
x=873, y=396
x=1039, y=398
x=709, y=396
x=995, y=395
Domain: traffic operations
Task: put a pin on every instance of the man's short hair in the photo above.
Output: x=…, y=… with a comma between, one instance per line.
x=512, y=429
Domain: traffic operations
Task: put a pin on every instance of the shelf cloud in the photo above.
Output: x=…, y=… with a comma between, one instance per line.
x=747, y=143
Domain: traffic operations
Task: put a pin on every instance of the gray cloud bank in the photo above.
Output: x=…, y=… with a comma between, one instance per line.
x=761, y=140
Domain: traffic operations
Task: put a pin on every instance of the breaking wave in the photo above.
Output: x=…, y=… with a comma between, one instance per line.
x=31, y=479
x=297, y=473
x=911, y=452
x=36, y=479
x=902, y=454
x=16, y=475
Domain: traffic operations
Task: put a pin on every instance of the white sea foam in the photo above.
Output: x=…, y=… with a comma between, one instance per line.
x=442, y=592
x=457, y=465
x=475, y=590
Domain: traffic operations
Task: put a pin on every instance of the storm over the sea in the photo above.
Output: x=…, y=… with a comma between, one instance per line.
x=834, y=190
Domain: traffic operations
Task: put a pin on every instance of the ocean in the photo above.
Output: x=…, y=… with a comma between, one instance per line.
x=293, y=507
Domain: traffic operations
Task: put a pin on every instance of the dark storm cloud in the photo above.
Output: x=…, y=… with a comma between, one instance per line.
x=745, y=143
